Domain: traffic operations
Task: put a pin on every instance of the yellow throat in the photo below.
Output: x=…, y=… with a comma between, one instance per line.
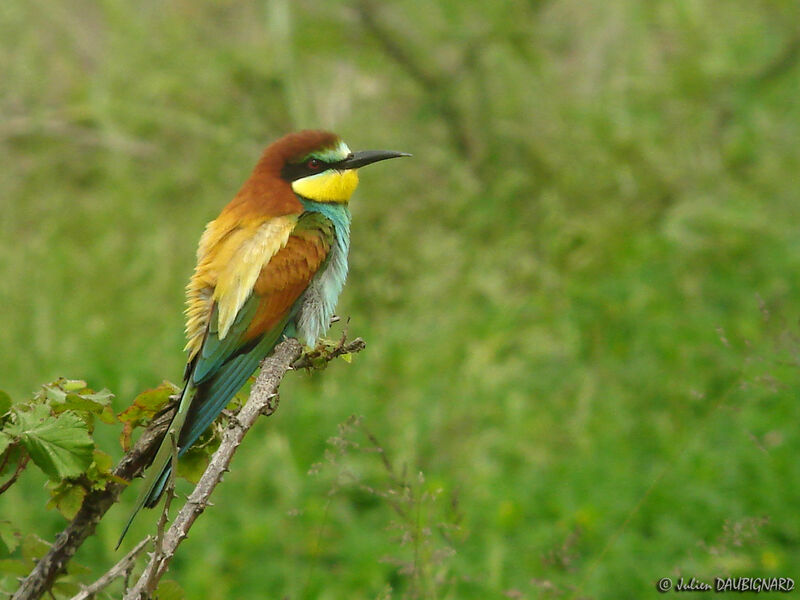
x=328, y=186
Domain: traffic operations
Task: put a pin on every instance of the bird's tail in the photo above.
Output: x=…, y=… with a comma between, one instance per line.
x=157, y=474
x=199, y=406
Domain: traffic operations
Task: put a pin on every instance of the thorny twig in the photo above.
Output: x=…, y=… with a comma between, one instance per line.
x=312, y=359
x=262, y=399
x=20, y=467
x=121, y=569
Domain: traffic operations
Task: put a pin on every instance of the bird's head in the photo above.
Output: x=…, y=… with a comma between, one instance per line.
x=320, y=167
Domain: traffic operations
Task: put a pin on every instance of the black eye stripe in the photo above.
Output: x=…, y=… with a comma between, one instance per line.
x=295, y=171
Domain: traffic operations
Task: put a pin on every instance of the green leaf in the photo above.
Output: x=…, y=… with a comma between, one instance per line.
x=66, y=394
x=80, y=402
x=5, y=442
x=10, y=535
x=99, y=472
x=107, y=416
x=59, y=445
x=144, y=408
x=51, y=393
x=103, y=397
x=71, y=385
x=66, y=497
x=102, y=462
x=148, y=403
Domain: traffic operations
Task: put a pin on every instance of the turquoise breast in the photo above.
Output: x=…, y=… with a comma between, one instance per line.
x=318, y=302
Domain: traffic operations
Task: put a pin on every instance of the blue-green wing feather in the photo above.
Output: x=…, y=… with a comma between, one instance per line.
x=214, y=393
x=201, y=402
x=216, y=351
x=211, y=397
x=219, y=370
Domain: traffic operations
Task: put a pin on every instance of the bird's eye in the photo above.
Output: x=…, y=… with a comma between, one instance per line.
x=314, y=164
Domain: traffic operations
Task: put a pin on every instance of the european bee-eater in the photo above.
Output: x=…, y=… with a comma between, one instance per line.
x=271, y=265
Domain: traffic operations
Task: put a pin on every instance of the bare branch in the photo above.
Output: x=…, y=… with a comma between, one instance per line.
x=97, y=502
x=263, y=392
x=121, y=569
x=262, y=400
x=20, y=467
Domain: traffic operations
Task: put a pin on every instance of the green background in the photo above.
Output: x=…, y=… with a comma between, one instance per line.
x=580, y=296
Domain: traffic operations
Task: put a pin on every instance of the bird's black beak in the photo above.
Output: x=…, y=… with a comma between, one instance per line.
x=367, y=157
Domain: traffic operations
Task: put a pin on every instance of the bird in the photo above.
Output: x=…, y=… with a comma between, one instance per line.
x=271, y=265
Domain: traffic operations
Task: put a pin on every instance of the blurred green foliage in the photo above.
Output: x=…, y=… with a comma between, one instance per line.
x=580, y=296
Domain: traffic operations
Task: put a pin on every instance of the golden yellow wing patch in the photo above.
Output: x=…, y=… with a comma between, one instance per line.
x=229, y=260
